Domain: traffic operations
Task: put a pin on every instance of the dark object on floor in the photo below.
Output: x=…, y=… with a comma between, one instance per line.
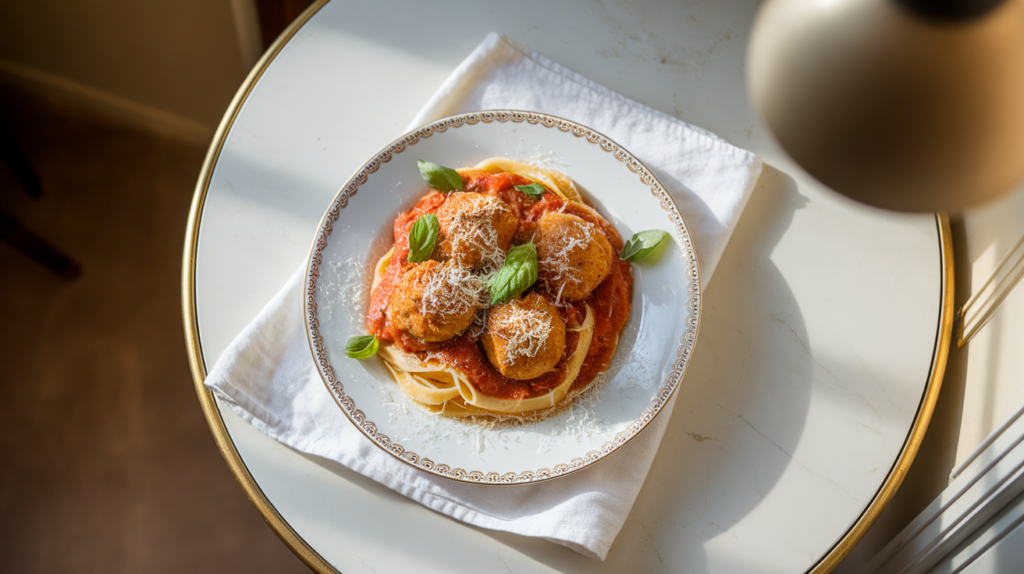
x=11, y=230
x=107, y=464
x=16, y=160
x=36, y=247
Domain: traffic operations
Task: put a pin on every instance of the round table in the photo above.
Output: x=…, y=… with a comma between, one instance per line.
x=824, y=334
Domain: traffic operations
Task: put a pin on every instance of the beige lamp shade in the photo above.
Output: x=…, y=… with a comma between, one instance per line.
x=891, y=107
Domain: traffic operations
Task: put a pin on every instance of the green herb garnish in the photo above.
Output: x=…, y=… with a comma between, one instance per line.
x=422, y=237
x=362, y=347
x=517, y=274
x=641, y=244
x=533, y=189
x=439, y=177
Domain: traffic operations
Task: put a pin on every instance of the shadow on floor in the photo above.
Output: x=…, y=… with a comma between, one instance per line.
x=107, y=463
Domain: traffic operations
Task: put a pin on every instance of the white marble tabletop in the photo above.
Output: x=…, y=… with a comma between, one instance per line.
x=815, y=349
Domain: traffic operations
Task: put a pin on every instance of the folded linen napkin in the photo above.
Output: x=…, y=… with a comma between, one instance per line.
x=268, y=377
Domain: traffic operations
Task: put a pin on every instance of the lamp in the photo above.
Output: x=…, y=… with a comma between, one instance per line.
x=908, y=105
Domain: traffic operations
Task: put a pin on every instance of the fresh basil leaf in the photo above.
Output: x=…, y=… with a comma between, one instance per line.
x=533, y=189
x=423, y=237
x=641, y=244
x=629, y=249
x=517, y=274
x=439, y=177
x=362, y=347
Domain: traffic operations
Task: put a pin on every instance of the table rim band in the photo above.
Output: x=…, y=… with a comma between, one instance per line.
x=310, y=556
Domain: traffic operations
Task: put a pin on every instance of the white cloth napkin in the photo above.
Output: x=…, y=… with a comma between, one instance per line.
x=268, y=377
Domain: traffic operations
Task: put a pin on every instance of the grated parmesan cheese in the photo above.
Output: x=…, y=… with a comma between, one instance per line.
x=556, y=266
x=452, y=290
x=470, y=231
x=524, y=330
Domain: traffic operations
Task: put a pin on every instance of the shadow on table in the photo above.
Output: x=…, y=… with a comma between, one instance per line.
x=740, y=411
x=928, y=476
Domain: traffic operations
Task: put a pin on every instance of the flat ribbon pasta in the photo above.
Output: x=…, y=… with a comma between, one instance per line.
x=559, y=183
x=446, y=389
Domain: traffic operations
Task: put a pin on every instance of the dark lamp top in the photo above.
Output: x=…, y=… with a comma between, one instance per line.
x=949, y=10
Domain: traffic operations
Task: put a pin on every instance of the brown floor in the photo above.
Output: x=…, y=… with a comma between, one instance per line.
x=106, y=461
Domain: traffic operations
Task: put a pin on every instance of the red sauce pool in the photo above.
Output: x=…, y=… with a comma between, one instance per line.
x=377, y=319
x=610, y=301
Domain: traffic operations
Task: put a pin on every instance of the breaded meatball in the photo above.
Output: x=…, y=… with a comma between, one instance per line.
x=436, y=301
x=573, y=255
x=525, y=338
x=476, y=229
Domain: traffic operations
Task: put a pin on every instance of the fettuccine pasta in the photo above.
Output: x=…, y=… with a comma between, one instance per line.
x=461, y=332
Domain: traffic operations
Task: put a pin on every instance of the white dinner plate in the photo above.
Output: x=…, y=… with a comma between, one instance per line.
x=654, y=347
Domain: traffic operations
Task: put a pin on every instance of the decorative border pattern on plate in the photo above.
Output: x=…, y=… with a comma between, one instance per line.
x=368, y=428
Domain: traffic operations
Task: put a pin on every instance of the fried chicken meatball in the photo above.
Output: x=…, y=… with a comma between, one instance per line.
x=435, y=301
x=476, y=229
x=525, y=338
x=573, y=255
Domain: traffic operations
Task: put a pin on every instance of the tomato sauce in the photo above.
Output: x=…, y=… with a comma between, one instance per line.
x=610, y=301
x=467, y=355
x=377, y=319
x=503, y=186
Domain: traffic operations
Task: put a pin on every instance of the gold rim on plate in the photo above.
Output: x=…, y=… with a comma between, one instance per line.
x=679, y=360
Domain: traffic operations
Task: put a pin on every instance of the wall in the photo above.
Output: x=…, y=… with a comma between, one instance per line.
x=171, y=64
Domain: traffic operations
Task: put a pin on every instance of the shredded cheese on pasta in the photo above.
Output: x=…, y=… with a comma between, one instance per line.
x=470, y=237
x=523, y=330
x=452, y=290
x=555, y=266
x=470, y=230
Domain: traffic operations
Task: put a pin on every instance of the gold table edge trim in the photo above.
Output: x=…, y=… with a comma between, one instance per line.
x=300, y=547
x=943, y=339
x=221, y=436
